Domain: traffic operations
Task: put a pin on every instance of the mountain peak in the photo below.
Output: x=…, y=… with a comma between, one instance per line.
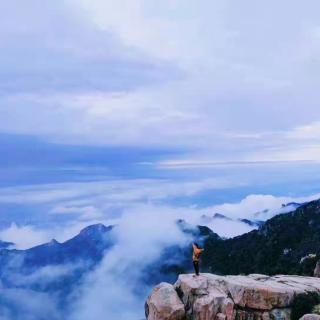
x=292, y=204
x=220, y=216
x=95, y=228
x=5, y=244
x=53, y=242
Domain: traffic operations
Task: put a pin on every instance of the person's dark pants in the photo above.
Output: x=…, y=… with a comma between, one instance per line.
x=196, y=267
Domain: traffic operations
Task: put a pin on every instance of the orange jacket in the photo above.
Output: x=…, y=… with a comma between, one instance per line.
x=196, y=253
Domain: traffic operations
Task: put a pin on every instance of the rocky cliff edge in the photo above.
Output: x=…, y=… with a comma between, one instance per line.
x=213, y=297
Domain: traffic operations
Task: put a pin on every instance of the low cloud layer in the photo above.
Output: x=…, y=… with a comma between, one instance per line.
x=118, y=281
x=66, y=208
x=145, y=216
x=29, y=304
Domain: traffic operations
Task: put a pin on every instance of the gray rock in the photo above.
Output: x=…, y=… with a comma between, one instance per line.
x=213, y=297
x=164, y=304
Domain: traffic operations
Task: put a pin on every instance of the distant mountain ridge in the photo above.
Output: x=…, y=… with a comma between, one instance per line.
x=252, y=223
x=207, y=219
x=68, y=261
x=278, y=239
x=285, y=208
x=5, y=244
x=276, y=247
x=90, y=243
x=282, y=244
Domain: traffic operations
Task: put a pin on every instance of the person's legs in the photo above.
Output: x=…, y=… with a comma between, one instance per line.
x=196, y=267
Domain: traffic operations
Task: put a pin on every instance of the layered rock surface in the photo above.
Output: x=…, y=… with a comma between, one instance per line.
x=213, y=297
x=164, y=303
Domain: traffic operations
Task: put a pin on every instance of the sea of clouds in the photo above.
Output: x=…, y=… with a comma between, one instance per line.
x=145, y=217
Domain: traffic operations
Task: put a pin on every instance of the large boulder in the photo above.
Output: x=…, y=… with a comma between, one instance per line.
x=245, y=292
x=213, y=297
x=164, y=304
x=268, y=294
x=257, y=292
x=202, y=298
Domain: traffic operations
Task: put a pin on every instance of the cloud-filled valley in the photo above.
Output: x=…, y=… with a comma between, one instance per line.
x=141, y=217
x=145, y=119
x=60, y=210
x=145, y=215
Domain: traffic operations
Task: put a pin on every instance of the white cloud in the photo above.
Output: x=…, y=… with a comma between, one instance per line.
x=44, y=275
x=82, y=212
x=252, y=206
x=112, y=191
x=28, y=304
x=167, y=30
x=228, y=229
x=139, y=241
x=143, y=230
x=306, y=132
x=240, y=77
x=230, y=82
x=24, y=236
x=109, y=202
x=301, y=143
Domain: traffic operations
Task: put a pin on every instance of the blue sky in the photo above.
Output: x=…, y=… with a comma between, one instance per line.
x=178, y=105
x=137, y=113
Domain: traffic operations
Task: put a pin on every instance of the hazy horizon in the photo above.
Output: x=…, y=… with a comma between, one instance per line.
x=138, y=113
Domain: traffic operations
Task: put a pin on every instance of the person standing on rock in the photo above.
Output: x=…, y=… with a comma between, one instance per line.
x=196, y=252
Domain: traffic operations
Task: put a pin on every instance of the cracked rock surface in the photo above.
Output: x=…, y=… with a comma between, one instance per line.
x=213, y=297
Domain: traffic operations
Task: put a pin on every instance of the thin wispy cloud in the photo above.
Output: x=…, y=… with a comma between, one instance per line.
x=208, y=73
x=65, y=208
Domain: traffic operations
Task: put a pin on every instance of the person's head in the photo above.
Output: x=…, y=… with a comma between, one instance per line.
x=196, y=245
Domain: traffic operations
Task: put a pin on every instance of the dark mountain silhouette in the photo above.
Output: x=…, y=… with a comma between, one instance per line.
x=207, y=219
x=252, y=223
x=89, y=244
x=276, y=247
x=74, y=257
x=283, y=244
x=5, y=244
x=292, y=204
x=220, y=216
